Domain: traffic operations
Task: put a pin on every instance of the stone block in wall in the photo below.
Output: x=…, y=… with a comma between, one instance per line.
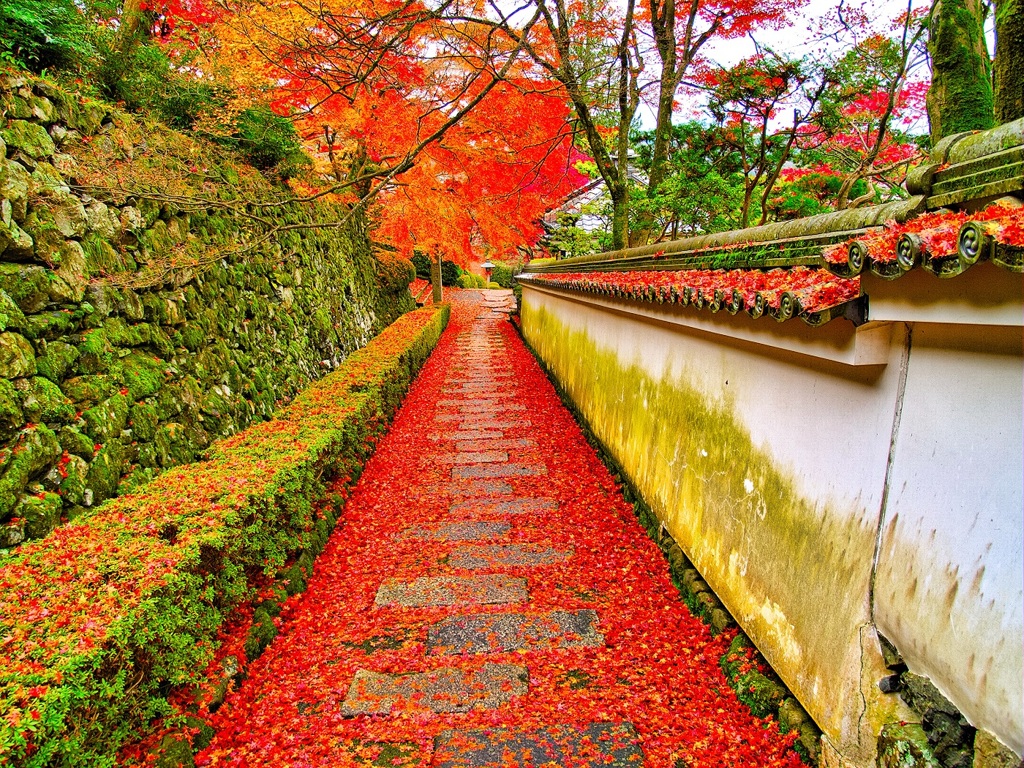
x=14, y=187
x=42, y=401
x=17, y=358
x=59, y=358
x=34, y=451
x=27, y=285
x=989, y=752
x=11, y=417
x=107, y=419
x=105, y=472
x=28, y=138
x=40, y=511
x=905, y=745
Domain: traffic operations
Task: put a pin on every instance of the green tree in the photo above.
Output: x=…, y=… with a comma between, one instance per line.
x=1008, y=67
x=960, y=97
x=45, y=34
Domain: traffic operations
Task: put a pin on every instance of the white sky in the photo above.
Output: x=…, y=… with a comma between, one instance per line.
x=798, y=39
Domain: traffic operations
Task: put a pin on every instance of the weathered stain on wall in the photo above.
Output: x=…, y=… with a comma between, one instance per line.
x=950, y=585
x=818, y=498
x=793, y=569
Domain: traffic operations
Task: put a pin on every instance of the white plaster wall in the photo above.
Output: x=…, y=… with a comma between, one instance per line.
x=949, y=591
x=948, y=588
x=827, y=428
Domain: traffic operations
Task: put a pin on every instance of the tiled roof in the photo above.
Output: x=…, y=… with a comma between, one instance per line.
x=809, y=268
x=945, y=244
x=814, y=295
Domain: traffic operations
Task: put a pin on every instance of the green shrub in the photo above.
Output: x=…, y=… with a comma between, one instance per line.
x=449, y=270
x=450, y=273
x=422, y=264
x=265, y=138
x=135, y=591
x=505, y=271
x=44, y=34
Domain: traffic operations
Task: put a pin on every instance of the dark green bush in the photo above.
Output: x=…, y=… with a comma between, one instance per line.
x=504, y=271
x=449, y=270
x=450, y=273
x=44, y=34
x=265, y=138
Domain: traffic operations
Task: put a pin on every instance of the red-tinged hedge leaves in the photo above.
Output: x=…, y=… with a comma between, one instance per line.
x=100, y=617
x=658, y=665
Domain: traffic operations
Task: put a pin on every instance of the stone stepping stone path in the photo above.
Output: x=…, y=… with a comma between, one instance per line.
x=497, y=632
x=451, y=689
x=608, y=744
x=469, y=530
x=452, y=590
x=488, y=599
x=494, y=556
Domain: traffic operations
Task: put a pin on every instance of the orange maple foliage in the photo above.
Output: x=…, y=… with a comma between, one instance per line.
x=458, y=145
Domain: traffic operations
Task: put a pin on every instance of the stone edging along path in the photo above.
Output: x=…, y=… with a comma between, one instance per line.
x=489, y=599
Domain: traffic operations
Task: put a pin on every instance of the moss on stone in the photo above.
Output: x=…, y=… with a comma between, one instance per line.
x=107, y=419
x=11, y=316
x=143, y=420
x=27, y=285
x=41, y=513
x=43, y=401
x=142, y=374
x=12, y=418
x=105, y=471
x=74, y=441
x=17, y=358
x=88, y=390
x=905, y=745
x=35, y=451
x=50, y=325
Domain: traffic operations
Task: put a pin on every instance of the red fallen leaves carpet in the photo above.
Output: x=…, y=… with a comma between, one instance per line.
x=482, y=406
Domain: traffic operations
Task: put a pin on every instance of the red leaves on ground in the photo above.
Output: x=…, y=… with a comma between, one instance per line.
x=657, y=667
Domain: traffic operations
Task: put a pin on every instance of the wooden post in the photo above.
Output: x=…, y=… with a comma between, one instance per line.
x=435, y=279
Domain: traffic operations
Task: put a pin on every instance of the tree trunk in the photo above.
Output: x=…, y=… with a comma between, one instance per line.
x=1009, y=62
x=960, y=98
x=620, y=217
x=435, y=279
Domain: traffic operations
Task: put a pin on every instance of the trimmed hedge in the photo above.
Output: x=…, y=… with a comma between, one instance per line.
x=101, y=618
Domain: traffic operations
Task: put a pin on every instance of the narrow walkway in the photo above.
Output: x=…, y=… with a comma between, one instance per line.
x=489, y=600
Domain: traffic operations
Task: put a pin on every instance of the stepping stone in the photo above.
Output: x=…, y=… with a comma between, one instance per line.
x=510, y=507
x=501, y=632
x=491, y=423
x=478, y=457
x=505, y=556
x=481, y=407
x=489, y=589
x=470, y=434
x=468, y=446
x=490, y=402
x=581, y=746
x=501, y=470
x=480, y=488
x=468, y=530
x=450, y=689
x=485, y=419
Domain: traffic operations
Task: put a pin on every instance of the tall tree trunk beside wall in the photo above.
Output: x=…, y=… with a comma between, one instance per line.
x=1009, y=61
x=960, y=98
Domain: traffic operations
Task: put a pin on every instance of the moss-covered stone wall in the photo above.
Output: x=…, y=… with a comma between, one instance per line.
x=147, y=307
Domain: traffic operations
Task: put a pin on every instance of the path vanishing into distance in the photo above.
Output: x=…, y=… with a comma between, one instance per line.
x=489, y=599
